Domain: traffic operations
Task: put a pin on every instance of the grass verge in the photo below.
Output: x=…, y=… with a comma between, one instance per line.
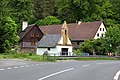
x=89, y=58
x=27, y=56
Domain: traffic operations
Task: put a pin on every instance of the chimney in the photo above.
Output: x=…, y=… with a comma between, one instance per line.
x=24, y=25
x=79, y=22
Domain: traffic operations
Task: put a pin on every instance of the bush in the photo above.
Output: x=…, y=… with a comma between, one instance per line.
x=77, y=52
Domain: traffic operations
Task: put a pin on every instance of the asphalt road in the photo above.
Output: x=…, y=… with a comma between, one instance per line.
x=63, y=70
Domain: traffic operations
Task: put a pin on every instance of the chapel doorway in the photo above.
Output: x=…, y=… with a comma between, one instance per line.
x=64, y=51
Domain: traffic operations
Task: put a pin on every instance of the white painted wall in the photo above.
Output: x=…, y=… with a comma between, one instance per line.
x=100, y=32
x=54, y=51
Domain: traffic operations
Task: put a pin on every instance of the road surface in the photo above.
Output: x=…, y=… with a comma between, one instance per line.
x=63, y=70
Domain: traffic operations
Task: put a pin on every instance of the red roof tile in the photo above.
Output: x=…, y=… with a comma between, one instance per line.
x=86, y=30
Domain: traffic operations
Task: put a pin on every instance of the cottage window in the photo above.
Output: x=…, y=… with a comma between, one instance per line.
x=100, y=29
x=78, y=43
x=37, y=35
x=102, y=35
x=33, y=43
x=32, y=35
x=97, y=34
x=103, y=29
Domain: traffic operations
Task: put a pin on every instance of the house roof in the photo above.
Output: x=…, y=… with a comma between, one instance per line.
x=49, y=40
x=85, y=30
x=21, y=34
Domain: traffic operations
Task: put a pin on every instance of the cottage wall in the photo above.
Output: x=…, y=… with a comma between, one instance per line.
x=54, y=51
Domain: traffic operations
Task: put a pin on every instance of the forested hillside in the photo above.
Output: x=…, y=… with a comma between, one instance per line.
x=13, y=12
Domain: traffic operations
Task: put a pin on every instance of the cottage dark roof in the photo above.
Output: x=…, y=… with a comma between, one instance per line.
x=21, y=34
x=85, y=30
x=49, y=40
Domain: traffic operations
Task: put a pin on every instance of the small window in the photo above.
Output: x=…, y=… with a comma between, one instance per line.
x=33, y=43
x=97, y=34
x=100, y=29
x=48, y=49
x=37, y=35
x=65, y=32
x=103, y=29
x=102, y=35
x=78, y=43
x=32, y=35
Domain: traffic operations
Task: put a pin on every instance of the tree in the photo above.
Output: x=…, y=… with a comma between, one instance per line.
x=84, y=10
x=7, y=28
x=112, y=39
x=48, y=21
x=3, y=10
x=21, y=10
x=87, y=46
x=7, y=34
x=93, y=47
x=43, y=8
x=116, y=10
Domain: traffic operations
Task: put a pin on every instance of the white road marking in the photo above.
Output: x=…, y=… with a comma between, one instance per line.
x=85, y=65
x=21, y=66
x=26, y=65
x=49, y=63
x=36, y=64
x=15, y=67
x=117, y=75
x=32, y=65
x=9, y=68
x=2, y=69
x=55, y=73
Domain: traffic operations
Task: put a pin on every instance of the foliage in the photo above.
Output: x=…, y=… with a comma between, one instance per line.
x=77, y=52
x=87, y=46
x=7, y=34
x=48, y=21
x=112, y=39
x=93, y=47
x=43, y=8
x=84, y=10
x=21, y=10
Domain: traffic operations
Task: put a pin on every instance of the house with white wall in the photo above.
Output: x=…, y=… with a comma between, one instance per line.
x=56, y=44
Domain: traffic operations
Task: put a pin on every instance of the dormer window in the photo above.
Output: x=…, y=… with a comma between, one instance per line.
x=103, y=29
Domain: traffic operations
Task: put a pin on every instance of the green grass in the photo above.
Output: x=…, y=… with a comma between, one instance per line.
x=27, y=56
x=34, y=57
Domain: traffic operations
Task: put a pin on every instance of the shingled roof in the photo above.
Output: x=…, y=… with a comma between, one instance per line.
x=49, y=40
x=85, y=30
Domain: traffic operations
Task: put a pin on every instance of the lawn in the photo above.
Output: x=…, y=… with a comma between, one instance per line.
x=34, y=57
